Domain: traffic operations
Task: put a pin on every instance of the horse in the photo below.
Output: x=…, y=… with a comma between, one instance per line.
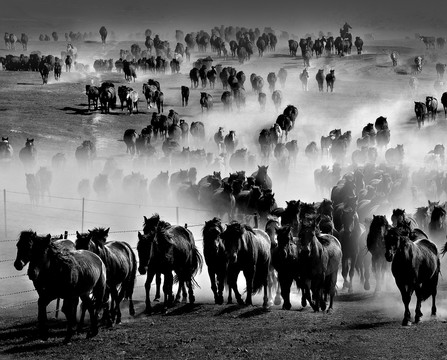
x=350, y=244
x=320, y=79
x=206, y=101
x=248, y=250
x=92, y=93
x=444, y=103
x=330, y=80
x=262, y=179
x=72, y=51
x=277, y=99
x=420, y=109
x=6, y=150
x=432, y=106
x=285, y=261
x=395, y=156
x=319, y=258
x=290, y=215
x=28, y=154
x=418, y=62
x=304, y=76
x=57, y=271
x=185, y=95
x=85, y=153
x=375, y=243
x=132, y=101
x=68, y=62
x=415, y=267
x=165, y=248
x=230, y=142
x=121, y=267
x=215, y=258
x=437, y=226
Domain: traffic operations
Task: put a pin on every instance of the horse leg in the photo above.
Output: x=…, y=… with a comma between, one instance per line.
x=406, y=292
x=191, y=296
x=285, y=283
x=147, y=287
x=167, y=290
x=93, y=316
x=366, y=269
x=332, y=285
x=212, y=276
x=276, y=285
x=220, y=287
x=249, y=276
x=69, y=309
x=157, y=288
x=344, y=271
x=232, y=283
x=42, y=304
x=418, y=313
x=352, y=272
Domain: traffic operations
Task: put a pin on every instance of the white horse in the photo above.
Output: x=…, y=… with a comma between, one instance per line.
x=72, y=51
x=132, y=100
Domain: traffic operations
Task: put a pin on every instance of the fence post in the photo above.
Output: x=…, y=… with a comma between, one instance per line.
x=4, y=210
x=82, y=222
x=65, y=234
x=177, y=215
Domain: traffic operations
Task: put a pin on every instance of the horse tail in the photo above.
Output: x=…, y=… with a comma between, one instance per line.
x=197, y=264
x=130, y=281
x=444, y=248
x=261, y=276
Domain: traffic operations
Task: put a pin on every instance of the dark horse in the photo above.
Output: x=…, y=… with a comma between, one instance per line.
x=215, y=258
x=290, y=215
x=58, y=272
x=350, y=245
x=415, y=267
x=165, y=249
x=320, y=258
x=121, y=265
x=285, y=262
x=375, y=242
x=436, y=227
x=248, y=250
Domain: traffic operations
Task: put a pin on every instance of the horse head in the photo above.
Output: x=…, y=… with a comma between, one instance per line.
x=393, y=240
x=307, y=235
x=235, y=240
x=150, y=225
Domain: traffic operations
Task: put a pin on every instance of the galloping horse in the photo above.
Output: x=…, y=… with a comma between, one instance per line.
x=121, y=265
x=415, y=267
x=319, y=258
x=375, y=243
x=60, y=272
x=164, y=249
x=248, y=250
x=215, y=258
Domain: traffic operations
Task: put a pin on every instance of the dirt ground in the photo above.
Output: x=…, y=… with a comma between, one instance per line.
x=362, y=325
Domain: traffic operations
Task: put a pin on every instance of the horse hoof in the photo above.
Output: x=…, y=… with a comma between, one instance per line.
x=303, y=302
x=286, y=306
x=406, y=322
x=366, y=286
x=132, y=312
x=192, y=300
x=157, y=299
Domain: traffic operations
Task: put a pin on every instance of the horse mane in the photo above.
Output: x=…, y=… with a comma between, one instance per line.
x=153, y=220
x=437, y=213
x=62, y=256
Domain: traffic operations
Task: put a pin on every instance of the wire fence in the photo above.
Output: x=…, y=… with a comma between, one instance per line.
x=59, y=213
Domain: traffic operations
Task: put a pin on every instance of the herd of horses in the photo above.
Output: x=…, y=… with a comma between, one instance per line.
x=302, y=243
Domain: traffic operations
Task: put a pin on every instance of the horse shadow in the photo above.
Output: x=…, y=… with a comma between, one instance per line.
x=75, y=111
x=257, y=311
x=229, y=310
x=28, y=84
x=185, y=309
x=24, y=336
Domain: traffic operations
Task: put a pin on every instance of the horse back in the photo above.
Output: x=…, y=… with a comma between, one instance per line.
x=88, y=272
x=119, y=260
x=333, y=249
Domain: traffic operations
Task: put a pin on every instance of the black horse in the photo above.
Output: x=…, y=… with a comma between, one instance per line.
x=415, y=267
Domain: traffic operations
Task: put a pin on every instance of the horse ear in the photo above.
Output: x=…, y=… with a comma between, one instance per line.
x=145, y=218
x=140, y=236
x=107, y=231
x=48, y=238
x=77, y=234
